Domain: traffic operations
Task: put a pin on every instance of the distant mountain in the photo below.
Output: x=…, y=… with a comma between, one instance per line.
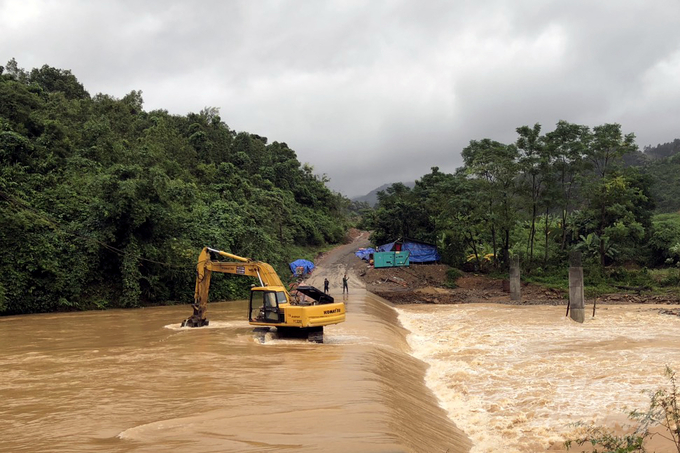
x=372, y=197
x=650, y=154
x=663, y=150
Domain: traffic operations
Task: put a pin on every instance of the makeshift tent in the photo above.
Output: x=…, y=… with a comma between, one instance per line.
x=301, y=267
x=420, y=252
x=365, y=254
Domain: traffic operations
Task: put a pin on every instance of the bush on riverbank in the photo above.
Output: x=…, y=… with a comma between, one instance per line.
x=663, y=412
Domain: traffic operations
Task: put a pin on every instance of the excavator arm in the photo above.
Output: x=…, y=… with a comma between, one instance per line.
x=208, y=263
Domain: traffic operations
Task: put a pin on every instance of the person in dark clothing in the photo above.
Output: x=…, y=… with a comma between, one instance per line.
x=325, y=285
x=345, y=279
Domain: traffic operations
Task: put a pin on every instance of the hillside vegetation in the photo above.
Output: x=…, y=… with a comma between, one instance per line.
x=104, y=204
x=542, y=197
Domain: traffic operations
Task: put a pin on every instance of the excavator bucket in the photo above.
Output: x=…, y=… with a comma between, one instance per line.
x=197, y=319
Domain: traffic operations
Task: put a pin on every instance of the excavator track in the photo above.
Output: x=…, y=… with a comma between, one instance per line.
x=312, y=334
x=260, y=334
x=315, y=335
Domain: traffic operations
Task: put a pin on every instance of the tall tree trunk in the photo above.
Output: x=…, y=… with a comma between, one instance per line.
x=565, y=214
x=603, y=213
x=493, y=233
x=506, y=249
x=547, y=229
x=532, y=232
x=474, y=250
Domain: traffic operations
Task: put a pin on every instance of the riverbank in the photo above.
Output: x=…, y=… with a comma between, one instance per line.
x=429, y=284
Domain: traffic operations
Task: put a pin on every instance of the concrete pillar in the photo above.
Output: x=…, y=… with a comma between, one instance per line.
x=576, y=298
x=515, y=284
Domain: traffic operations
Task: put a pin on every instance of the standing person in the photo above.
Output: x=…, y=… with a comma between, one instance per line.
x=345, y=279
x=325, y=285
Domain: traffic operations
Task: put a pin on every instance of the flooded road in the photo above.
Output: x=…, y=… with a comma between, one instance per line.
x=510, y=377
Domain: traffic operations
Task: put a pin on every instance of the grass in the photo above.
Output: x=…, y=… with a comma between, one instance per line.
x=598, y=282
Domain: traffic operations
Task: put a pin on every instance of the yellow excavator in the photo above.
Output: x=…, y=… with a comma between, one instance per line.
x=270, y=303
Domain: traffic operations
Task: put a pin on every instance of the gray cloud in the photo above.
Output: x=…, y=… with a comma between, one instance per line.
x=371, y=92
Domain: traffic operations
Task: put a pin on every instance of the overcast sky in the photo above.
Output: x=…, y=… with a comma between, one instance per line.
x=371, y=92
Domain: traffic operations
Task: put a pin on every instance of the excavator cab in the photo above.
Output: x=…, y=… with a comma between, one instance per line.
x=264, y=305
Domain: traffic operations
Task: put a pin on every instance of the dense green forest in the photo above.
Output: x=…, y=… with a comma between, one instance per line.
x=104, y=204
x=546, y=194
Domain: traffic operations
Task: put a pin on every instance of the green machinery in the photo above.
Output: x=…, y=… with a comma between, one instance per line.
x=391, y=259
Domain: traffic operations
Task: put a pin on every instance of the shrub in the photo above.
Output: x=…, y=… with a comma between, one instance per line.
x=663, y=411
x=451, y=276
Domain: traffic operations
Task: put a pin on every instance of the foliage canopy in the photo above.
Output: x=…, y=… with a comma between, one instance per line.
x=107, y=205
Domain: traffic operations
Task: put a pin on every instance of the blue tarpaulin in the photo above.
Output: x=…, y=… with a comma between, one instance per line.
x=420, y=252
x=386, y=247
x=364, y=254
x=301, y=266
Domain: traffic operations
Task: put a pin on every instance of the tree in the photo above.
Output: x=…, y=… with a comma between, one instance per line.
x=105, y=205
x=606, y=146
x=534, y=165
x=56, y=80
x=395, y=214
x=496, y=165
x=566, y=144
x=462, y=218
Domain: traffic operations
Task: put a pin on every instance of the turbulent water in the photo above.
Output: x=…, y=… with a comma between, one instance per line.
x=468, y=377
x=516, y=378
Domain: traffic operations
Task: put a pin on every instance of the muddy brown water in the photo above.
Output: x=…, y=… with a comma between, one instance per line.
x=124, y=381
x=478, y=378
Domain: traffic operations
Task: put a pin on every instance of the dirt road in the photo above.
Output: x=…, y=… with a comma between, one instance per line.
x=335, y=263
